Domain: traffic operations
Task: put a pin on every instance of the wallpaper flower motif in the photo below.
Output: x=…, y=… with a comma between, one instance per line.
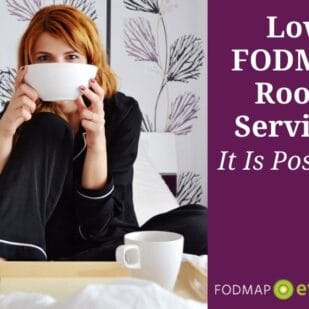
x=7, y=85
x=25, y=9
x=186, y=57
x=183, y=111
x=150, y=6
x=139, y=40
x=180, y=62
x=86, y=6
x=189, y=188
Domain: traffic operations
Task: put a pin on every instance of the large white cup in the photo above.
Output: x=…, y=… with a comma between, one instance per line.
x=59, y=81
x=152, y=255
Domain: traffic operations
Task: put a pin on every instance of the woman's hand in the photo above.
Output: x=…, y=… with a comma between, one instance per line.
x=94, y=174
x=92, y=117
x=21, y=107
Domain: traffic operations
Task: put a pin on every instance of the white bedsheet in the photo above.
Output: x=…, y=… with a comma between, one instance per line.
x=126, y=293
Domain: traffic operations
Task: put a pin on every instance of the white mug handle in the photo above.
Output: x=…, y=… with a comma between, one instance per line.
x=121, y=258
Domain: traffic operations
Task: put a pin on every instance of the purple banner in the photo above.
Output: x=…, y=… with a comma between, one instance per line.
x=258, y=60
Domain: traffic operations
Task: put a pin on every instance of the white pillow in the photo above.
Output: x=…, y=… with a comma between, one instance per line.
x=151, y=195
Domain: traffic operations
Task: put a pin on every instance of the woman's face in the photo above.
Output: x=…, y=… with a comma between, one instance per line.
x=50, y=49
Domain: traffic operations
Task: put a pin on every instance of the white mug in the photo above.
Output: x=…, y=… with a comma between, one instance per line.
x=152, y=255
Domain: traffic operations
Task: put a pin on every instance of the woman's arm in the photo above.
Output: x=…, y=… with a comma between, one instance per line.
x=6, y=144
x=94, y=174
x=108, y=210
x=19, y=110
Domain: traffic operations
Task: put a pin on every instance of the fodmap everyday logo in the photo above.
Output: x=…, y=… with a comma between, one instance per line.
x=282, y=289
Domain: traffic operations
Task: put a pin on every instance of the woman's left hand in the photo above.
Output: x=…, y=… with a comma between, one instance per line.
x=92, y=117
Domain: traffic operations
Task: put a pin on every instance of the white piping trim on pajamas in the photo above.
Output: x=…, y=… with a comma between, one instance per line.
x=81, y=234
x=96, y=197
x=84, y=147
x=13, y=243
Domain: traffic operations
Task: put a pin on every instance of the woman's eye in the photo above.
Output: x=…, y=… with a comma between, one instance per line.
x=42, y=58
x=73, y=57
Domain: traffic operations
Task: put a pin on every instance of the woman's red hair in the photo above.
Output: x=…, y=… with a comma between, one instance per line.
x=78, y=31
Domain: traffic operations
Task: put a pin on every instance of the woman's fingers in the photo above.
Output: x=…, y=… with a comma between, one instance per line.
x=80, y=103
x=20, y=116
x=26, y=102
x=22, y=105
x=93, y=129
x=89, y=115
x=97, y=88
x=20, y=76
x=96, y=104
x=25, y=89
x=25, y=113
x=96, y=96
x=92, y=117
x=20, y=111
x=89, y=125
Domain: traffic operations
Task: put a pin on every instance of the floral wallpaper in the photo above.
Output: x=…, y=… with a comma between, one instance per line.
x=146, y=32
x=25, y=9
x=7, y=81
x=179, y=61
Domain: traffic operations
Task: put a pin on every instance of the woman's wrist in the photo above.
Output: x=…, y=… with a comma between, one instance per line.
x=6, y=142
x=96, y=144
x=5, y=134
x=94, y=174
x=96, y=149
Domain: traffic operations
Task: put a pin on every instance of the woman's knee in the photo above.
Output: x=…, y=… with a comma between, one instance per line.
x=47, y=123
x=191, y=221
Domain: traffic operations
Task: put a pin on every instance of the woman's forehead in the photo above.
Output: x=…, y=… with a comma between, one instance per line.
x=46, y=41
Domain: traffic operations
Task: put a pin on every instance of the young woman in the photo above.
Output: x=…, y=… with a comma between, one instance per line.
x=66, y=167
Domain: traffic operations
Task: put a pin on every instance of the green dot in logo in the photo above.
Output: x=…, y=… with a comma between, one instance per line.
x=283, y=289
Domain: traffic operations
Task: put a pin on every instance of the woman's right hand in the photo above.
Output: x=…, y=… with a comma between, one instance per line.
x=21, y=106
